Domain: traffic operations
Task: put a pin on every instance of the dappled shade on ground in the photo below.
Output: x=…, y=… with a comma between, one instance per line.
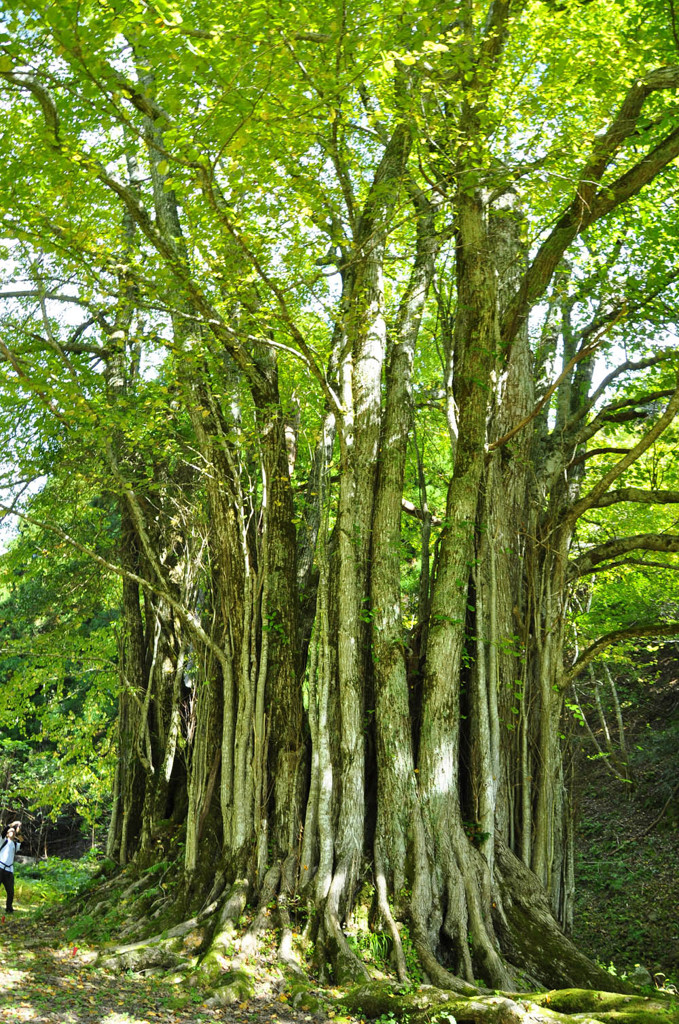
x=46, y=980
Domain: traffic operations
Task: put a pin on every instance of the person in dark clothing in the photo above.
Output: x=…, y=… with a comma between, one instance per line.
x=9, y=847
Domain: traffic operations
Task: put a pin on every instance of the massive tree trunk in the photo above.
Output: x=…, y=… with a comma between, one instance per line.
x=363, y=341
x=460, y=876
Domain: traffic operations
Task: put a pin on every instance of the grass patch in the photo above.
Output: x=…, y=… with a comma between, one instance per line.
x=51, y=881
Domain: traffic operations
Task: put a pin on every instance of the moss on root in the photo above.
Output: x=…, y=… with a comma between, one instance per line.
x=611, y=1006
x=237, y=987
x=302, y=997
x=428, y=1005
x=144, y=959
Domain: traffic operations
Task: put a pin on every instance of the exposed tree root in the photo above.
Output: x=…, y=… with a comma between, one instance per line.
x=376, y=999
x=346, y=966
x=234, y=904
x=609, y=1006
x=143, y=959
x=530, y=936
x=167, y=950
x=262, y=919
x=177, y=932
x=436, y=973
x=521, y=917
x=387, y=916
x=213, y=962
x=285, y=951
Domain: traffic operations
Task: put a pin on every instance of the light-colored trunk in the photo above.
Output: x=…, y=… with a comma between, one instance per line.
x=397, y=802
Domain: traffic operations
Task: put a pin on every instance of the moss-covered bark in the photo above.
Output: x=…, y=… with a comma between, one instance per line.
x=427, y=1004
x=612, y=1006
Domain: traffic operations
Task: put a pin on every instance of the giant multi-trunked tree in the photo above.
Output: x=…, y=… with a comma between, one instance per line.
x=329, y=228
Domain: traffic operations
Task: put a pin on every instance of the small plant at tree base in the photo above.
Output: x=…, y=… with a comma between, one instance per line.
x=411, y=957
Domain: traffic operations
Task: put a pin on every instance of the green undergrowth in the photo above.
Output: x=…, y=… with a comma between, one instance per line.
x=627, y=862
x=50, y=882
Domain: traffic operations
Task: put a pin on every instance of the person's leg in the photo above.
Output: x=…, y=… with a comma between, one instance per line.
x=8, y=882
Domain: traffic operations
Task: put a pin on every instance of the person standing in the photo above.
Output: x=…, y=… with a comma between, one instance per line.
x=9, y=847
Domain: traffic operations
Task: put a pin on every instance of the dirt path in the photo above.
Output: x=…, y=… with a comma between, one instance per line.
x=46, y=980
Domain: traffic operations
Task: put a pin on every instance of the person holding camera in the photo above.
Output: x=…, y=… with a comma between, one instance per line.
x=9, y=847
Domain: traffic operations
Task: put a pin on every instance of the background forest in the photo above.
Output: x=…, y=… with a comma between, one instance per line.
x=338, y=411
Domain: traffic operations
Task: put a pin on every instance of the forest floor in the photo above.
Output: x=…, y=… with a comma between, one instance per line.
x=47, y=979
x=627, y=859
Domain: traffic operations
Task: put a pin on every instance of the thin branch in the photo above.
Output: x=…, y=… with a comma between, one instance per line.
x=190, y=618
x=608, y=639
x=218, y=204
x=418, y=513
x=18, y=367
x=588, y=350
x=495, y=34
x=166, y=247
x=36, y=293
x=641, y=562
x=590, y=500
x=638, y=494
x=27, y=81
x=590, y=205
x=585, y=563
x=649, y=828
x=605, y=417
x=604, y=755
x=598, y=451
x=641, y=364
x=629, y=409
x=674, y=24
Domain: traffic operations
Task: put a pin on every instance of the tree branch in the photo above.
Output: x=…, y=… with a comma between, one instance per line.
x=418, y=513
x=640, y=364
x=598, y=451
x=164, y=246
x=588, y=350
x=590, y=500
x=17, y=365
x=589, y=205
x=587, y=562
x=187, y=616
x=28, y=82
x=608, y=639
x=638, y=494
x=637, y=409
x=642, y=562
x=649, y=828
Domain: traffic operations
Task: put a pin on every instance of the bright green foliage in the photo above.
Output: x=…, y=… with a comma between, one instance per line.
x=58, y=662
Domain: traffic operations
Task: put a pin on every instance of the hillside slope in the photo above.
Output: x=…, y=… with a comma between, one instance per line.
x=627, y=867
